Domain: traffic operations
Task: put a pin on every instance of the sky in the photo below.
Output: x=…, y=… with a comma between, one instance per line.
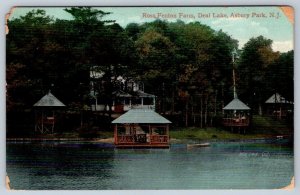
x=241, y=23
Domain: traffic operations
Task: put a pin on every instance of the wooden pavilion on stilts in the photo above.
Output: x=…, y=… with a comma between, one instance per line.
x=236, y=113
x=141, y=128
x=45, y=108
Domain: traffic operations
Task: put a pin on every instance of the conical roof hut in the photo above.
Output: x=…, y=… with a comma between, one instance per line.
x=279, y=107
x=49, y=100
x=236, y=104
x=45, y=121
x=277, y=98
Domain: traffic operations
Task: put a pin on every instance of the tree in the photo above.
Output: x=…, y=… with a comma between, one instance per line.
x=205, y=61
x=88, y=15
x=257, y=55
x=280, y=75
x=28, y=69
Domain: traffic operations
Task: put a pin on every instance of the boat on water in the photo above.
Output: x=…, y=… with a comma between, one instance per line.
x=198, y=145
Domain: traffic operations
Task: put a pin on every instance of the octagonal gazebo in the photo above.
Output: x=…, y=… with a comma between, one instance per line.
x=236, y=114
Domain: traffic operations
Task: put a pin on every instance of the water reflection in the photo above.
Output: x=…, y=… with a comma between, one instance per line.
x=100, y=166
x=51, y=162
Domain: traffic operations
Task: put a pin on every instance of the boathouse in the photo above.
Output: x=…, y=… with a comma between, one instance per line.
x=45, y=108
x=141, y=128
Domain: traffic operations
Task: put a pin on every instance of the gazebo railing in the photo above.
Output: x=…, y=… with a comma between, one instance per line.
x=142, y=138
x=125, y=139
x=159, y=139
x=239, y=122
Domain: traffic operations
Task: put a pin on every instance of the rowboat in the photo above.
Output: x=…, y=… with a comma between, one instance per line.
x=198, y=145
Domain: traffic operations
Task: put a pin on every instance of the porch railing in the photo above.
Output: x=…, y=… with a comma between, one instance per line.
x=142, y=139
x=239, y=122
x=125, y=139
x=159, y=139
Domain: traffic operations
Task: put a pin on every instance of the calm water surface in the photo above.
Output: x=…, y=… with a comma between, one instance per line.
x=94, y=166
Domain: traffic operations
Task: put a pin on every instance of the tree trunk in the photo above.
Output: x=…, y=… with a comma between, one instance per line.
x=259, y=109
x=223, y=100
x=215, y=114
x=81, y=118
x=173, y=99
x=205, y=114
x=186, y=113
x=201, y=111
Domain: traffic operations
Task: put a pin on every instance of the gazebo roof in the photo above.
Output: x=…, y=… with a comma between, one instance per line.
x=141, y=116
x=277, y=98
x=236, y=104
x=49, y=100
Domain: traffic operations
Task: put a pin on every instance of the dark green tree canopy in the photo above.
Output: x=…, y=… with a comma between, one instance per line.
x=188, y=66
x=88, y=15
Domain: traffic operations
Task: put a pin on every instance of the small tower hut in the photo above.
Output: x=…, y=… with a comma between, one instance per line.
x=45, y=113
x=236, y=113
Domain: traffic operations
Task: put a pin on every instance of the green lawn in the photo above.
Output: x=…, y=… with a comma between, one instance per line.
x=267, y=125
x=210, y=133
x=262, y=127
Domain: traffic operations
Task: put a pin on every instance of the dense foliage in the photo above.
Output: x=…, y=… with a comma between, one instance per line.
x=187, y=66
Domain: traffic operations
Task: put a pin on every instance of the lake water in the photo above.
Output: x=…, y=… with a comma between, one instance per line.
x=96, y=166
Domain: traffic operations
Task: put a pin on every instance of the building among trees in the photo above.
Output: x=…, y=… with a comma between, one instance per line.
x=141, y=128
x=278, y=107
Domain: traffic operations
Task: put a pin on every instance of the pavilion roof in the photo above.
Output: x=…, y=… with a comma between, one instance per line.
x=121, y=93
x=145, y=116
x=49, y=100
x=140, y=93
x=236, y=104
x=277, y=98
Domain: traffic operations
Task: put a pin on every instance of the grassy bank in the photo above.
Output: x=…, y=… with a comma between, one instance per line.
x=211, y=133
x=268, y=125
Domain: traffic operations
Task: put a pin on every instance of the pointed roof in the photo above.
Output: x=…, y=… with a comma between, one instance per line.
x=49, y=100
x=236, y=104
x=141, y=116
x=277, y=98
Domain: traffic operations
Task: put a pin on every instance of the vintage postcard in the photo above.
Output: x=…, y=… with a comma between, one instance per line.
x=150, y=98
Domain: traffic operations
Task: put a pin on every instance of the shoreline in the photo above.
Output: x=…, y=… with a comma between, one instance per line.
x=110, y=140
